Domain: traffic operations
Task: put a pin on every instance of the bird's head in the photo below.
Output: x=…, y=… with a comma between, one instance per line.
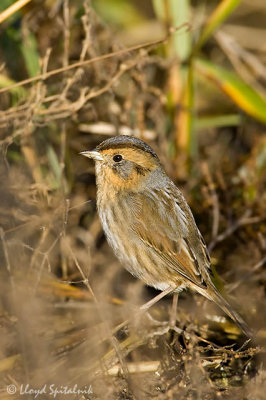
x=124, y=162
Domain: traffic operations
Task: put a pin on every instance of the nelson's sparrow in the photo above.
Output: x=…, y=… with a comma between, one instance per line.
x=148, y=222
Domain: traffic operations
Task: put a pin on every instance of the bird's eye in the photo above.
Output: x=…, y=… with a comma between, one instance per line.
x=117, y=157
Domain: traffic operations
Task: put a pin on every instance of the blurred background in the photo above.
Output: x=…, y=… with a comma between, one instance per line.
x=189, y=78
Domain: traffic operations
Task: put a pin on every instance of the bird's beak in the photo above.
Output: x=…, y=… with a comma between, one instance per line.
x=95, y=155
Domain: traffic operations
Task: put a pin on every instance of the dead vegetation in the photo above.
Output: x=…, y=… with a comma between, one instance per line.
x=68, y=311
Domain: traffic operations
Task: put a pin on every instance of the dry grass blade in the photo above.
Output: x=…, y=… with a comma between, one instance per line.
x=12, y=9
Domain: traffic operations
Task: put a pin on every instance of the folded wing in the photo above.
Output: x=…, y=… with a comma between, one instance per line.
x=170, y=232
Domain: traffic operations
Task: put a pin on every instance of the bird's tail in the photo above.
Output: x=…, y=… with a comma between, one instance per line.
x=215, y=296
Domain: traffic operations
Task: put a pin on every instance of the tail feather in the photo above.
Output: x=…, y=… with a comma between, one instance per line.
x=228, y=309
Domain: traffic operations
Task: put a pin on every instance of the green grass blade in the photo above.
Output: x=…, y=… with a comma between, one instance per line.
x=29, y=49
x=17, y=93
x=240, y=92
x=118, y=12
x=224, y=9
x=218, y=121
x=55, y=166
x=179, y=12
x=176, y=13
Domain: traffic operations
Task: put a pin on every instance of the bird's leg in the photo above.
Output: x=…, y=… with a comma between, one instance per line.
x=172, y=319
x=155, y=299
x=146, y=306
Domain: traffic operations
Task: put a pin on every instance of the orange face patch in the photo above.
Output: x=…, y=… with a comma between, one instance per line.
x=137, y=156
x=142, y=164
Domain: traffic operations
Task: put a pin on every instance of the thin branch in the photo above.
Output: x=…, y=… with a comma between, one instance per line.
x=244, y=278
x=214, y=200
x=66, y=33
x=244, y=220
x=112, y=338
x=94, y=60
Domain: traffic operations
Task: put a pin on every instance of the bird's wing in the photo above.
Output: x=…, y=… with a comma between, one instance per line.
x=164, y=222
